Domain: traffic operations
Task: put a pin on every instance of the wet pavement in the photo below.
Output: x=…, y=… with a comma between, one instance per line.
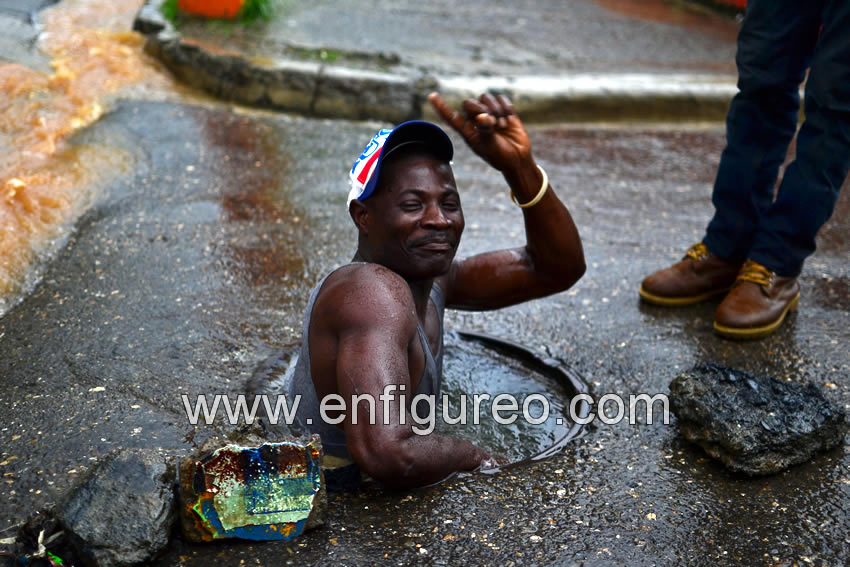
x=195, y=266
x=480, y=37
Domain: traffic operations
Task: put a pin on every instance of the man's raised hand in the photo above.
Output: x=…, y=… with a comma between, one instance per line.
x=490, y=127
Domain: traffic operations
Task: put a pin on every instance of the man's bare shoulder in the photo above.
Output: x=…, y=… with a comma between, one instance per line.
x=367, y=296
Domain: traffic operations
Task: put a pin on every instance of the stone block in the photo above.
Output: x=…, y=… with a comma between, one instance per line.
x=756, y=425
x=122, y=511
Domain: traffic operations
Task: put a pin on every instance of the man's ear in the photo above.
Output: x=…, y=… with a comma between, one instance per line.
x=360, y=215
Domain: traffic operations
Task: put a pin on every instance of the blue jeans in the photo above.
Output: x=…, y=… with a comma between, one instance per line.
x=778, y=40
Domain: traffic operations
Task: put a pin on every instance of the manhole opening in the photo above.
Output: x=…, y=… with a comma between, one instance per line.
x=505, y=367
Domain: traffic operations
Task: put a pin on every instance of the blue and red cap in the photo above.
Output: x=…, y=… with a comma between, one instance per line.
x=364, y=174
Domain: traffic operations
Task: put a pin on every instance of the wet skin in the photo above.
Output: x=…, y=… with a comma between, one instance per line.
x=363, y=332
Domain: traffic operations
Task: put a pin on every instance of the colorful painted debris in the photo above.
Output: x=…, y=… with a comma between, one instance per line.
x=271, y=492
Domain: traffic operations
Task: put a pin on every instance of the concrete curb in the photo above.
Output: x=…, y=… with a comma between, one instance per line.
x=604, y=96
x=338, y=91
x=306, y=87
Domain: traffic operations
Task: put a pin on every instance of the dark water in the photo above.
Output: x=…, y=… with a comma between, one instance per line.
x=470, y=369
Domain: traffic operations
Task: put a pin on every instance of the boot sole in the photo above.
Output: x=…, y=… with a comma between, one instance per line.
x=678, y=301
x=757, y=332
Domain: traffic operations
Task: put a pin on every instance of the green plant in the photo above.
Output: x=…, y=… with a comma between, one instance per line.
x=253, y=10
x=170, y=10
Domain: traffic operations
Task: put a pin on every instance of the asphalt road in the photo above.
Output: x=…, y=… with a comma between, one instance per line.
x=195, y=265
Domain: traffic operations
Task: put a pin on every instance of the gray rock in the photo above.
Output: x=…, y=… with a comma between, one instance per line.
x=756, y=425
x=122, y=511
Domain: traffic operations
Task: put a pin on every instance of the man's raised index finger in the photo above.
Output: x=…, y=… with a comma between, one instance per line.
x=446, y=112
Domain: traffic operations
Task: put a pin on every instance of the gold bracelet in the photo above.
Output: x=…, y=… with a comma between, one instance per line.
x=540, y=194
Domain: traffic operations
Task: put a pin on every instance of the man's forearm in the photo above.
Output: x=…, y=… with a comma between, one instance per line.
x=421, y=460
x=552, y=239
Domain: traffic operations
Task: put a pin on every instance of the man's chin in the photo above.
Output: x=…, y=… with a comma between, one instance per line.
x=433, y=265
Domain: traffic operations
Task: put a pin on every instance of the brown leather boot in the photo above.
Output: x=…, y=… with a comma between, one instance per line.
x=757, y=304
x=697, y=277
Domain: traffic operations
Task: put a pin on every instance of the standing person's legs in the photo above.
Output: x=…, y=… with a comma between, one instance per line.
x=810, y=186
x=774, y=47
x=767, y=287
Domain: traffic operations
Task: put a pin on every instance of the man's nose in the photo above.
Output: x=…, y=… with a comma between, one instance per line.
x=435, y=217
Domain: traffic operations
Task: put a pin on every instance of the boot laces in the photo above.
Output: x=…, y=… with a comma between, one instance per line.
x=754, y=272
x=697, y=252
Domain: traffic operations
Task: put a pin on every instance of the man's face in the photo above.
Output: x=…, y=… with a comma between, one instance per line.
x=416, y=218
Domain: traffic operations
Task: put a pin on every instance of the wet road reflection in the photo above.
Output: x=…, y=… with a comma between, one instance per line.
x=251, y=178
x=688, y=16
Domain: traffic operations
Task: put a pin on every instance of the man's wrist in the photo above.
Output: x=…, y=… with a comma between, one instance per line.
x=524, y=179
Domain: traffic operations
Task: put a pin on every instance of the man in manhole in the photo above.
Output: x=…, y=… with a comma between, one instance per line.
x=374, y=328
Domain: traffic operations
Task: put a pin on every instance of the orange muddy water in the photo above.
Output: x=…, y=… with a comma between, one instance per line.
x=45, y=182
